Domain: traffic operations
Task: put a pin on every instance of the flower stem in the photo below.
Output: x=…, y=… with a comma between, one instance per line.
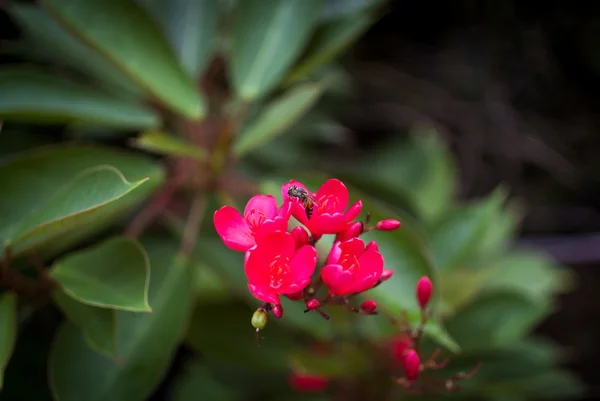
x=193, y=224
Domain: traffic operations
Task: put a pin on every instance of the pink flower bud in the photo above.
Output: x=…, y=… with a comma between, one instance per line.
x=312, y=304
x=399, y=347
x=412, y=365
x=369, y=306
x=352, y=231
x=296, y=296
x=387, y=274
x=277, y=311
x=300, y=236
x=387, y=225
x=424, y=290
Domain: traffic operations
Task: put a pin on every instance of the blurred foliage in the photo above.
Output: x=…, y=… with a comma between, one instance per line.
x=191, y=86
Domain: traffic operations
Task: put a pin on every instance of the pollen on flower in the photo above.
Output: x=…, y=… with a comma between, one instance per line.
x=255, y=218
x=278, y=269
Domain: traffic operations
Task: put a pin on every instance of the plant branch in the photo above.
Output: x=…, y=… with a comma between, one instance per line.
x=193, y=224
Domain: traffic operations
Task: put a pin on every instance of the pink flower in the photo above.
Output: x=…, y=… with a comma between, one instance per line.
x=260, y=216
x=274, y=266
x=330, y=215
x=351, y=267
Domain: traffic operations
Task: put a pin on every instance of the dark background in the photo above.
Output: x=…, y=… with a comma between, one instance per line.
x=514, y=88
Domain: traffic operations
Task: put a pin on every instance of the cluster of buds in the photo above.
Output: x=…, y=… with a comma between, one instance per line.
x=405, y=351
x=280, y=262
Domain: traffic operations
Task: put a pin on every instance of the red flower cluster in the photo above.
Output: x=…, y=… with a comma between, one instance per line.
x=278, y=262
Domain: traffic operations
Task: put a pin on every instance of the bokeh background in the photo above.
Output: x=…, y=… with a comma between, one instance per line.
x=509, y=89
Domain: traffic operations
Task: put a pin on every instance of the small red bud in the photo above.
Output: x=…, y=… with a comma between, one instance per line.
x=412, y=365
x=398, y=348
x=372, y=246
x=353, y=230
x=300, y=236
x=387, y=225
x=369, y=306
x=295, y=296
x=387, y=274
x=424, y=290
x=308, y=383
x=277, y=311
x=312, y=304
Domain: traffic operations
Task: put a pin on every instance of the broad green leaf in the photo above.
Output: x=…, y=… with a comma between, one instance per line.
x=49, y=183
x=197, y=382
x=330, y=40
x=268, y=36
x=114, y=274
x=85, y=194
x=495, y=319
x=8, y=329
x=135, y=45
x=278, y=116
x=42, y=29
x=458, y=286
x=99, y=325
x=32, y=95
x=230, y=338
x=169, y=145
x=335, y=9
x=146, y=342
x=191, y=27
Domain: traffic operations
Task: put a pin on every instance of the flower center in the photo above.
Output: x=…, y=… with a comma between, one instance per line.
x=328, y=204
x=349, y=262
x=279, y=268
x=255, y=218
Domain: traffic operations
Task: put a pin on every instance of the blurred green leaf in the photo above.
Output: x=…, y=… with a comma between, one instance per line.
x=35, y=179
x=32, y=95
x=190, y=26
x=458, y=286
x=494, y=319
x=268, y=36
x=114, y=274
x=197, y=382
x=235, y=340
x=41, y=29
x=99, y=325
x=8, y=330
x=278, y=116
x=330, y=40
x=169, y=145
x=135, y=45
x=147, y=342
x=334, y=9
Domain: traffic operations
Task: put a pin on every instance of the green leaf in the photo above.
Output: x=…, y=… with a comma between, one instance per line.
x=52, y=201
x=278, y=116
x=114, y=274
x=330, y=40
x=99, y=325
x=31, y=95
x=8, y=329
x=458, y=286
x=495, y=319
x=135, y=45
x=169, y=145
x=268, y=36
x=198, y=383
x=334, y=9
x=190, y=26
x=41, y=29
x=147, y=342
x=222, y=333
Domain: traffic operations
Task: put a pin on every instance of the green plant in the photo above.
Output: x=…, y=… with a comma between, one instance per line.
x=223, y=95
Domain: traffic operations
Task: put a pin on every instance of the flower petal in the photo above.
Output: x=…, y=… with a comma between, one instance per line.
x=334, y=254
x=337, y=279
x=326, y=223
x=285, y=211
x=256, y=266
x=265, y=294
x=302, y=266
x=232, y=229
x=372, y=246
x=334, y=187
x=354, y=246
x=266, y=204
x=353, y=211
x=371, y=267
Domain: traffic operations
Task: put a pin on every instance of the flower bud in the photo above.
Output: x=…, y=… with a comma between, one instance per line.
x=369, y=306
x=308, y=383
x=296, y=296
x=353, y=230
x=387, y=274
x=424, y=290
x=312, y=304
x=387, y=225
x=412, y=365
x=300, y=236
x=372, y=246
x=277, y=310
x=259, y=319
x=398, y=348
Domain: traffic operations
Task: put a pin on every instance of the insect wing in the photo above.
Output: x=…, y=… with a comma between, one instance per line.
x=313, y=200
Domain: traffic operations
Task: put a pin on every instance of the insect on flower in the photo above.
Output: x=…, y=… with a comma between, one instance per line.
x=308, y=201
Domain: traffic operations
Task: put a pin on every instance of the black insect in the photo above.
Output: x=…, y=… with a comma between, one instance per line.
x=308, y=201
